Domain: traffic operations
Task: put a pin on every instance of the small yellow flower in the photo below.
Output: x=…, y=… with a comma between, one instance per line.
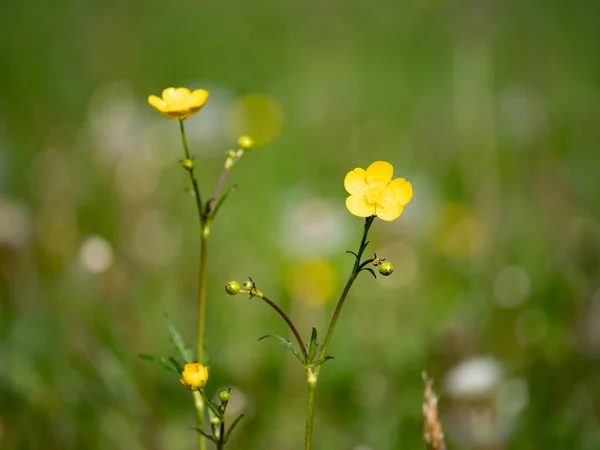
x=179, y=103
x=194, y=376
x=374, y=193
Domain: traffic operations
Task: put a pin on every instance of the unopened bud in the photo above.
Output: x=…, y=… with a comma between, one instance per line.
x=248, y=285
x=245, y=142
x=188, y=164
x=232, y=288
x=215, y=421
x=224, y=396
x=386, y=268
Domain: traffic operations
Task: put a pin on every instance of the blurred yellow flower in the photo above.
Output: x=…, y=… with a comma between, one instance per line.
x=179, y=103
x=374, y=193
x=194, y=376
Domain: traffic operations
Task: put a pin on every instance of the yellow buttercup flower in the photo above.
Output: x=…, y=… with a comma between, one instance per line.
x=194, y=376
x=374, y=193
x=179, y=103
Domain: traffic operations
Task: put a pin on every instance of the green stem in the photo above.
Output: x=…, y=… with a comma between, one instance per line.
x=312, y=384
x=198, y=401
x=192, y=173
x=313, y=374
x=355, y=271
x=287, y=320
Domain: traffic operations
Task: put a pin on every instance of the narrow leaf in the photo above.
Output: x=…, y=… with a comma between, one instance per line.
x=206, y=435
x=164, y=362
x=352, y=253
x=321, y=361
x=312, y=346
x=287, y=344
x=233, y=425
x=211, y=405
x=363, y=248
x=368, y=269
x=213, y=213
x=184, y=352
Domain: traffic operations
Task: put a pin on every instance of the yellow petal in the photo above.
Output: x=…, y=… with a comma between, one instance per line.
x=355, y=181
x=357, y=206
x=391, y=211
x=401, y=189
x=198, y=97
x=157, y=103
x=380, y=172
x=175, y=94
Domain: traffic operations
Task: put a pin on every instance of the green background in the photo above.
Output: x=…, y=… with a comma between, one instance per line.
x=490, y=109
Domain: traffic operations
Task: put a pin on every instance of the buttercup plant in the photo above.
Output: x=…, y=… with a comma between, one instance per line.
x=181, y=103
x=373, y=193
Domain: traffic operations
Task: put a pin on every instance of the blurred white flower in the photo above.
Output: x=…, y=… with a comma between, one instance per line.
x=475, y=377
x=311, y=227
x=96, y=254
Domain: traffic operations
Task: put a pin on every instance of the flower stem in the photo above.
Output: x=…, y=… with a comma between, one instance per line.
x=312, y=384
x=355, y=271
x=192, y=172
x=287, y=320
x=198, y=401
x=313, y=373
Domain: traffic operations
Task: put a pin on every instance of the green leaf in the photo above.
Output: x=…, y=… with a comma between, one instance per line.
x=321, y=361
x=287, y=344
x=352, y=253
x=368, y=269
x=213, y=213
x=167, y=363
x=206, y=435
x=184, y=352
x=312, y=346
x=363, y=248
x=233, y=425
x=212, y=405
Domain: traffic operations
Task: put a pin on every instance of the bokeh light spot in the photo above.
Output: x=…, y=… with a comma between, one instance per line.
x=258, y=116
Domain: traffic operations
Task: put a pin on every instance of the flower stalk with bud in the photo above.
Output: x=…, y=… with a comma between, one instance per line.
x=373, y=194
x=180, y=104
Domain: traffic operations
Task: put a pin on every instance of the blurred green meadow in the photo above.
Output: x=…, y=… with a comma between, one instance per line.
x=491, y=109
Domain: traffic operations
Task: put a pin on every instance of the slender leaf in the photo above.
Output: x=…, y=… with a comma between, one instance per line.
x=363, y=248
x=368, y=269
x=166, y=363
x=352, y=253
x=212, y=405
x=287, y=344
x=321, y=361
x=213, y=213
x=312, y=346
x=206, y=435
x=184, y=352
x=233, y=425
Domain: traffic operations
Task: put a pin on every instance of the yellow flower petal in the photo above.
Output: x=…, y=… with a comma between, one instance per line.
x=379, y=172
x=198, y=97
x=358, y=207
x=401, y=189
x=157, y=103
x=175, y=94
x=355, y=181
x=390, y=211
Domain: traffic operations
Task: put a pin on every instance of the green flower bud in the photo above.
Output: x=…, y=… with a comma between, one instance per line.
x=248, y=285
x=386, y=268
x=232, y=288
x=188, y=164
x=224, y=396
x=215, y=421
x=245, y=142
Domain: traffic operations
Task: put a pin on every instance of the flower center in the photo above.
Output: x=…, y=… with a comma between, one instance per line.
x=374, y=194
